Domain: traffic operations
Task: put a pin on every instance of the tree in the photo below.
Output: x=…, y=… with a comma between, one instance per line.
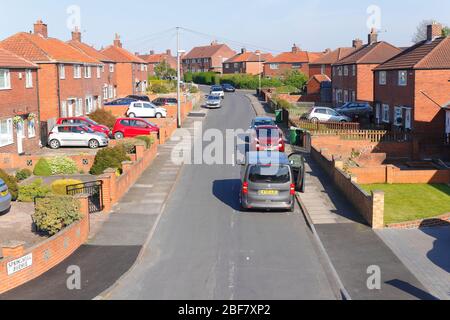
x=446, y=32
x=296, y=79
x=421, y=32
x=164, y=71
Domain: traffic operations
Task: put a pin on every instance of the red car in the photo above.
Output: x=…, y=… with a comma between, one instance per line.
x=132, y=127
x=87, y=122
x=268, y=138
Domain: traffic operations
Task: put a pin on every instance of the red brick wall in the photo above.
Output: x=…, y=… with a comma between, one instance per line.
x=48, y=91
x=317, y=69
x=364, y=76
x=349, y=83
x=124, y=76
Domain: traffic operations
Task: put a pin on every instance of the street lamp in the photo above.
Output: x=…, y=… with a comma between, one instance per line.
x=179, y=53
x=258, y=53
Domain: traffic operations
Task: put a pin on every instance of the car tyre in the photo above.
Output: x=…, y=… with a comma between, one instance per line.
x=314, y=120
x=94, y=144
x=132, y=115
x=158, y=116
x=118, y=136
x=54, y=144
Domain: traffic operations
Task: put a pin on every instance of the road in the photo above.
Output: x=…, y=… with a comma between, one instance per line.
x=204, y=248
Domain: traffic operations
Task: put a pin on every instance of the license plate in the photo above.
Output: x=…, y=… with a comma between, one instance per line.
x=268, y=192
x=4, y=193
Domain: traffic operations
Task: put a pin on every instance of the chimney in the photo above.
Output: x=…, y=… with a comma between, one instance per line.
x=243, y=50
x=117, y=42
x=41, y=28
x=169, y=52
x=136, y=53
x=295, y=49
x=214, y=43
x=434, y=31
x=327, y=50
x=357, y=43
x=373, y=36
x=152, y=52
x=76, y=34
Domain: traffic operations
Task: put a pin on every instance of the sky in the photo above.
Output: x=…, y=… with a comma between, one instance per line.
x=269, y=25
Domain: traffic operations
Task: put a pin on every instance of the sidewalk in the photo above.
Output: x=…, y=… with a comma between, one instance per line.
x=351, y=245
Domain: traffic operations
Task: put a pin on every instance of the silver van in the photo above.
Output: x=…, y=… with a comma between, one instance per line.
x=270, y=180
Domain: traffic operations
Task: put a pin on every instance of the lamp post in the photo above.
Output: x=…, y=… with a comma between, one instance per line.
x=179, y=53
x=258, y=53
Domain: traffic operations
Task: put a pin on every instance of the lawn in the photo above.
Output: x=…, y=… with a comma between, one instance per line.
x=408, y=202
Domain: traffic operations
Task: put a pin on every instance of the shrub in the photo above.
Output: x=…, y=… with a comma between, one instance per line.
x=62, y=165
x=42, y=168
x=23, y=174
x=295, y=79
x=109, y=158
x=188, y=77
x=104, y=117
x=193, y=90
x=29, y=192
x=59, y=187
x=286, y=89
x=11, y=182
x=54, y=213
x=147, y=139
x=128, y=145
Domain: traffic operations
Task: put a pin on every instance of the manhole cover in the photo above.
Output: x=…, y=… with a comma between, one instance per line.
x=197, y=115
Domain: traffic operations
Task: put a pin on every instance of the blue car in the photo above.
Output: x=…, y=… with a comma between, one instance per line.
x=121, y=102
x=228, y=88
x=5, y=197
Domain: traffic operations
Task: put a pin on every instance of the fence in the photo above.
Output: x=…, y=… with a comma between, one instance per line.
x=320, y=126
x=370, y=135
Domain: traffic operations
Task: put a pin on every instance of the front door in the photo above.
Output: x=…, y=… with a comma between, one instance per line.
x=20, y=136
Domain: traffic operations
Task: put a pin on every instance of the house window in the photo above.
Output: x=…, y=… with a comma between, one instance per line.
x=87, y=72
x=385, y=113
x=382, y=75
x=377, y=112
x=227, y=66
x=398, y=114
x=345, y=96
x=402, y=78
x=346, y=71
x=5, y=79
x=340, y=71
x=6, y=132
x=32, y=128
x=111, y=92
x=354, y=70
x=79, y=108
x=111, y=67
x=274, y=66
x=339, y=95
x=28, y=79
x=77, y=71
x=296, y=66
x=62, y=72
x=105, y=92
x=99, y=72
x=353, y=96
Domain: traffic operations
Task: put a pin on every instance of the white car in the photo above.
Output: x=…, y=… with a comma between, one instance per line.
x=142, y=109
x=323, y=114
x=75, y=135
x=213, y=101
x=217, y=91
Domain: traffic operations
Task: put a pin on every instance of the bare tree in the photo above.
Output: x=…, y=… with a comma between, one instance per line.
x=421, y=32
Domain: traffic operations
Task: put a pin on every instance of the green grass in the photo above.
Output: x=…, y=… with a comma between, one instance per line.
x=409, y=202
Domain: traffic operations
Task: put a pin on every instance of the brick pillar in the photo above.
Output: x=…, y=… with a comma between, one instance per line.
x=106, y=192
x=84, y=204
x=13, y=249
x=112, y=184
x=155, y=138
x=390, y=174
x=339, y=164
x=126, y=166
x=140, y=151
x=377, y=210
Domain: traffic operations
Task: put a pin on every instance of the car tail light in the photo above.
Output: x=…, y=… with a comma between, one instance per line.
x=292, y=189
x=245, y=188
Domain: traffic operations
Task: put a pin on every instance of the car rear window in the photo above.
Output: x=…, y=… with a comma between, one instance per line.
x=264, y=123
x=268, y=133
x=269, y=174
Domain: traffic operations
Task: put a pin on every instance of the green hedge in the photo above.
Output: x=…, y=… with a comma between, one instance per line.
x=62, y=165
x=109, y=158
x=42, y=168
x=23, y=174
x=29, y=192
x=59, y=187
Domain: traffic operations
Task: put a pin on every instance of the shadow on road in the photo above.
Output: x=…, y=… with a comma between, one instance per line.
x=439, y=254
x=227, y=191
x=412, y=290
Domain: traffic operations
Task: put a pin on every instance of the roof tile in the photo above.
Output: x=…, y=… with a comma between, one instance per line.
x=10, y=60
x=375, y=53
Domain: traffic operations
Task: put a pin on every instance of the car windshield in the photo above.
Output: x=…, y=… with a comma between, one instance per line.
x=87, y=129
x=214, y=98
x=267, y=133
x=264, y=122
x=92, y=122
x=216, y=89
x=268, y=174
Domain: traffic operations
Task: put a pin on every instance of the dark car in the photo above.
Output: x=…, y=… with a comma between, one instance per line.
x=356, y=110
x=162, y=102
x=228, y=88
x=121, y=102
x=139, y=98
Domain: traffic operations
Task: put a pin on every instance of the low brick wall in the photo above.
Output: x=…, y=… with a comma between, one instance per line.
x=443, y=220
x=371, y=207
x=45, y=255
x=391, y=174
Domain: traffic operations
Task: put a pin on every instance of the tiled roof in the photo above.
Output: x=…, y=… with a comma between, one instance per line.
x=321, y=78
x=121, y=55
x=334, y=56
x=314, y=56
x=39, y=49
x=424, y=55
x=249, y=57
x=90, y=51
x=206, y=51
x=153, y=58
x=375, y=53
x=10, y=60
x=290, y=57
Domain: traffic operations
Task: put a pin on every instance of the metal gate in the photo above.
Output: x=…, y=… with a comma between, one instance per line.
x=94, y=190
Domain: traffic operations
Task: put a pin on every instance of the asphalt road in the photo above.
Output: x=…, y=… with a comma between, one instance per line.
x=204, y=248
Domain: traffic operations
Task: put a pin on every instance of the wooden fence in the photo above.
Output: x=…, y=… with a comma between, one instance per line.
x=324, y=126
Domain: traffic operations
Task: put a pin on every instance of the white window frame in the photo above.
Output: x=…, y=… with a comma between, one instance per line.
x=89, y=103
x=77, y=71
x=339, y=71
x=31, y=128
x=353, y=96
x=111, y=67
x=274, y=66
x=382, y=78
x=87, y=72
x=7, y=77
x=64, y=109
x=79, y=107
x=62, y=72
x=385, y=113
x=99, y=72
x=105, y=92
x=378, y=111
x=28, y=78
x=346, y=71
x=398, y=113
x=346, y=96
x=405, y=82
x=7, y=137
x=111, y=91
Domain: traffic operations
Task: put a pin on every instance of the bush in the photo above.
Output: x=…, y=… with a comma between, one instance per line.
x=62, y=165
x=42, y=168
x=59, y=187
x=29, y=192
x=250, y=82
x=207, y=78
x=23, y=174
x=109, y=158
x=11, y=182
x=128, y=145
x=54, y=213
x=286, y=89
x=104, y=117
x=295, y=79
x=194, y=90
x=188, y=77
x=147, y=139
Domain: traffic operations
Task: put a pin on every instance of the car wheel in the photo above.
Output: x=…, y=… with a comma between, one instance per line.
x=118, y=136
x=158, y=115
x=343, y=121
x=132, y=115
x=94, y=144
x=54, y=144
x=315, y=120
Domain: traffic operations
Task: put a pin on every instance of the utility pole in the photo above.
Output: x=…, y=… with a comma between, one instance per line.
x=178, y=79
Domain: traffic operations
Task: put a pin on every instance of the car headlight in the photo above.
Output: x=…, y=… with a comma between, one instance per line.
x=4, y=193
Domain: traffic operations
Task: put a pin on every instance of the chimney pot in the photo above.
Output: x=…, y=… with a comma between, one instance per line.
x=117, y=42
x=295, y=49
x=357, y=43
x=152, y=52
x=243, y=50
x=41, y=29
x=373, y=36
x=169, y=52
x=434, y=31
x=76, y=34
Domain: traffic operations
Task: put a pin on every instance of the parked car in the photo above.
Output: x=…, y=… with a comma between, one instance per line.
x=121, y=102
x=270, y=180
x=326, y=114
x=141, y=109
x=228, y=88
x=262, y=121
x=213, y=101
x=356, y=110
x=87, y=122
x=5, y=197
x=139, y=97
x=131, y=127
x=161, y=102
x=267, y=138
x=76, y=135
x=217, y=91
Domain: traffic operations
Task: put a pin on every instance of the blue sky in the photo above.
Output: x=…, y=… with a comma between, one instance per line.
x=271, y=24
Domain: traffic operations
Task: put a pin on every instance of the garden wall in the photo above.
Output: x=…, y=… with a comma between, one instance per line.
x=391, y=174
x=35, y=261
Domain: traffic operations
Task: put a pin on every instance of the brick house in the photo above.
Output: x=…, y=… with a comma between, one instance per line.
x=107, y=80
x=153, y=60
x=412, y=90
x=296, y=59
x=207, y=58
x=318, y=89
x=131, y=72
x=19, y=105
x=67, y=79
x=352, y=76
x=246, y=63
